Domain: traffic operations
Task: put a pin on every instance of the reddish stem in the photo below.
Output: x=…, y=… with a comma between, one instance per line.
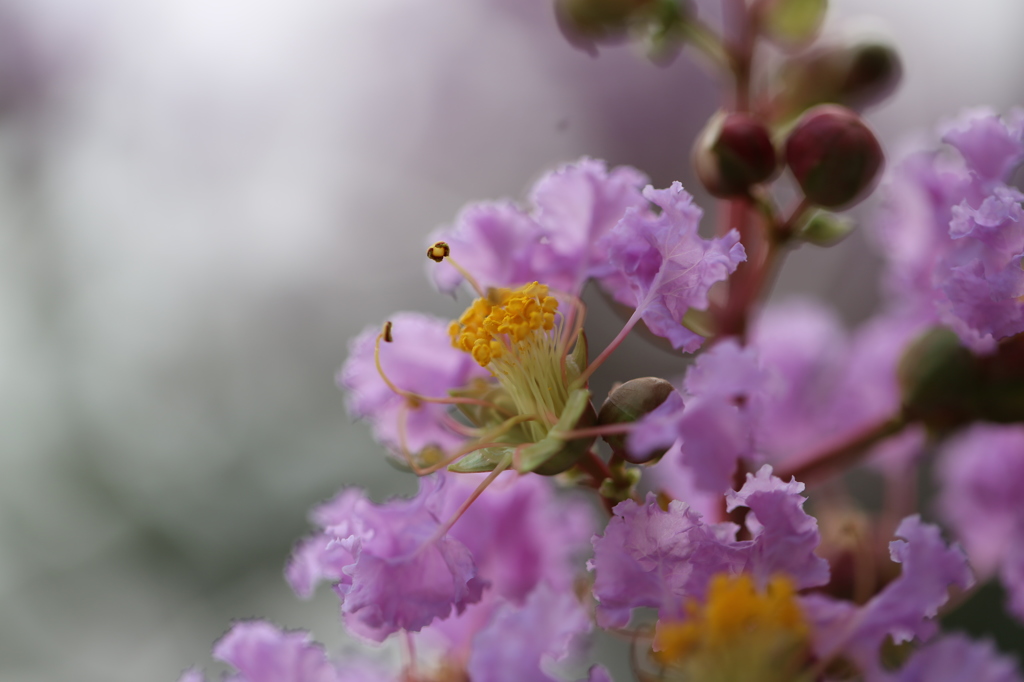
x=841, y=456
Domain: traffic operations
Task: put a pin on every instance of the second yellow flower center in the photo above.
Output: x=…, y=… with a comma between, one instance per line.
x=739, y=634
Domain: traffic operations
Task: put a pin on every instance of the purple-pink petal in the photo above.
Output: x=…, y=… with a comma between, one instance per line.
x=520, y=532
x=956, y=658
x=982, y=474
x=388, y=564
x=990, y=147
x=420, y=359
x=664, y=268
x=904, y=609
x=653, y=557
x=520, y=641
x=556, y=241
x=785, y=537
x=953, y=232
x=260, y=652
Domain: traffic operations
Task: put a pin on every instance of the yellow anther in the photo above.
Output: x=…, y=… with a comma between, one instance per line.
x=515, y=315
x=438, y=252
x=733, y=616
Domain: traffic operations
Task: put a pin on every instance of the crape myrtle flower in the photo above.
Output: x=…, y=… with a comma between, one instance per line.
x=392, y=564
x=800, y=385
x=731, y=609
x=649, y=556
x=981, y=472
x=522, y=541
x=261, y=652
x=534, y=410
x=953, y=231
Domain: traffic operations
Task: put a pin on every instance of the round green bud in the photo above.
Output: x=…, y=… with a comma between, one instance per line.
x=627, y=403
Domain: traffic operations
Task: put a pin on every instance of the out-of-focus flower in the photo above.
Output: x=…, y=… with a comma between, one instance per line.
x=800, y=385
x=522, y=541
x=905, y=608
x=982, y=475
x=741, y=631
x=261, y=652
x=391, y=564
x=518, y=641
x=953, y=231
x=649, y=556
x=720, y=598
x=956, y=658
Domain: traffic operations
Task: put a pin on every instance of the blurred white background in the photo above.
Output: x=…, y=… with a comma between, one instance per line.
x=202, y=200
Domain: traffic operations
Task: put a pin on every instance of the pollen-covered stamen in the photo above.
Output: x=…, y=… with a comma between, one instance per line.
x=515, y=334
x=738, y=632
x=415, y=399
x=441, y=251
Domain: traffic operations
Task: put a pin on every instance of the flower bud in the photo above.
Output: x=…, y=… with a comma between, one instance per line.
x=586, y=22
x=826, y=229
x=834, y=156
x=945, y=385
x=627, y=403
x=856, y=75
x=733, y=152
x=939, y=380
x=873, y=72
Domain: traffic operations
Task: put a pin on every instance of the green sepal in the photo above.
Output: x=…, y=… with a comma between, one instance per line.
x=576, y=362
x=700, y=322
x=479, y=461
x=826, y=229
x=481, y=415
x=553, y=455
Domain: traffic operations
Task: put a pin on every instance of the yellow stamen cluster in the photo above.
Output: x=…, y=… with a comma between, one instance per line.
x=506, y=319
x=738, y=633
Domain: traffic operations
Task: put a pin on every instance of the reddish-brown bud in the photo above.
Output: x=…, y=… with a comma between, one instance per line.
x=834, y=156
x=733, y=153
